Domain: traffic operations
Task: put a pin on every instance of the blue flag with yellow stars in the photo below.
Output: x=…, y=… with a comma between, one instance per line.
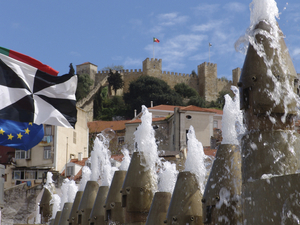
x=20, y=135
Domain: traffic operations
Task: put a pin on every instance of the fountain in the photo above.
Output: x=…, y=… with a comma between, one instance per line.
x=270, y=148
x=255, y=176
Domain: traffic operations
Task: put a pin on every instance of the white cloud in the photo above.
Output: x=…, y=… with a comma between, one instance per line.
x=296, y=53
x=211, y=25
x=171, y=19
x=235, y=7
x=207, y=9
x=173, y=51
x=131, y=63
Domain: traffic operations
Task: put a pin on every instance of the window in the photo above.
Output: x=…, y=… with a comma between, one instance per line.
x=47, y=152
x=120, y=140
x=48, y=130
x=21, y=154
x=41, y=173
x=215, y=123
x=189, y=117
x=30, y=174
x=18, y=175
x=74, y=137
x=70, y=171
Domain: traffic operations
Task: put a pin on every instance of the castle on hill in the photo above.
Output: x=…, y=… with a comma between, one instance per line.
x=205, y=82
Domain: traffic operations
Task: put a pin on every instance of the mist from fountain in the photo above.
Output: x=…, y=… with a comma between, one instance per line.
x=68, y=192
x=100, y=158
x=195, y=161
x=55, y=202
x=167, y=177
x=126, y=160
x=86, y=176
x=232, y=119
x=145, y=139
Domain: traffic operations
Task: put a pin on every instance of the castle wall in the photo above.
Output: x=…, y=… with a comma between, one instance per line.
x=205, y=83
x=87, y=68
x=207, y=73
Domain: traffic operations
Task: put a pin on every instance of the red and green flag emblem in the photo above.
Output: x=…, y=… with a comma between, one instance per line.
x=155, y=40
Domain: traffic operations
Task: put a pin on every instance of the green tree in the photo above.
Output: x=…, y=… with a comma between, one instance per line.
x=197, y=101
x=115, y=80
x=185, y=90
x=146, y=89
x=114, y=67
x=83, y=86
x=100, y=96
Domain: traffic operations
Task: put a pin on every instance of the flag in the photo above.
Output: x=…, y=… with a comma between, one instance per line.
x=29, y=94
x=19, y=135
x=155, y=40
x=28, y=60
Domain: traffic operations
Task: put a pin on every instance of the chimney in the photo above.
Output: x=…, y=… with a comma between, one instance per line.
x=134, y=113
x=151, y=104
x=79, y=156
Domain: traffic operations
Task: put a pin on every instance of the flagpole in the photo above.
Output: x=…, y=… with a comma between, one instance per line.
x=209, y=45
x=153, y=49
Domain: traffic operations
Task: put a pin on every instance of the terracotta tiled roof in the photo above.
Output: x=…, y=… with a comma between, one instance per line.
x=81, y=163
x=210, y=152
x=198, y=109
x=98, y=126
x=87, y=63
x=165, y=107
x=185, y=108
x=118, y=157
x=153, y=120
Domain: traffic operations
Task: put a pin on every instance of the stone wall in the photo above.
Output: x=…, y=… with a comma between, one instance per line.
x=19, y=204
x=205, y=82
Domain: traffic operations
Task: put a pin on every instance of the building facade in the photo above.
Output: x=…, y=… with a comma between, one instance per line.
x=171, y=125
x=56, y=149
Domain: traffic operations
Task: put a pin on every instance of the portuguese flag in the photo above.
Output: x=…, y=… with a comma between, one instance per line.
x=28, y=60
x=155, y=40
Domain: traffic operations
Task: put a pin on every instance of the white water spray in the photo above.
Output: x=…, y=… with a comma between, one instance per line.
x=195, y=161
x=100, y=158
x=68, y=192
x=145, y=139
x=86, y=176
x=167, y=177
x=232, y=120
x=55, y=202
x=126, y=160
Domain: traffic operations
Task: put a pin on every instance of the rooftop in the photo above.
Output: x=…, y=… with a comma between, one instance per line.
x=185, y=108
x=98, y=126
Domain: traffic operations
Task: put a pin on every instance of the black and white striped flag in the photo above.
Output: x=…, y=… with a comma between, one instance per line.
x=28, y=94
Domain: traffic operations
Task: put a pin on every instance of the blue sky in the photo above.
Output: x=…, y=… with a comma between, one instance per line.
x=119, y=32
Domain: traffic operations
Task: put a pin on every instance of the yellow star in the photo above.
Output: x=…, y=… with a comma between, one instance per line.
x=27, y=131
x=10, y=137
x=30, y=123
x=2, y=131
x=20, y=136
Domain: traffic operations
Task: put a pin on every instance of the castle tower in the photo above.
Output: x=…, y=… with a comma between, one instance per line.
x=87, y=68
x=236, y=73
x=152, y=66
x=207, y=75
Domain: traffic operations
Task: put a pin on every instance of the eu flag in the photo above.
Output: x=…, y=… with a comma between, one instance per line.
x=20, y=135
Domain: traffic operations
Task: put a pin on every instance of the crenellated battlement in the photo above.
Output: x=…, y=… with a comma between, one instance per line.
x=205, y=81
x=206, y=64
